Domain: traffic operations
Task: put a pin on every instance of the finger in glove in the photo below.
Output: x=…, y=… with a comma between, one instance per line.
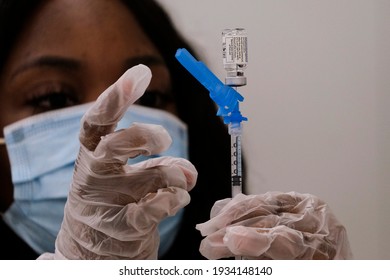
x=103, y=117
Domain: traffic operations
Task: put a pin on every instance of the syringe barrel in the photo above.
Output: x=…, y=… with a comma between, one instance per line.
x=235, y=55
x=236, y=172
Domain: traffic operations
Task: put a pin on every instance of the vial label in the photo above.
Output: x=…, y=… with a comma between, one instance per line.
x=235, y=55
x=235, y=49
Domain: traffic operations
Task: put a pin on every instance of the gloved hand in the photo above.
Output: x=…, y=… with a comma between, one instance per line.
x=274, y=225
x=113, y=209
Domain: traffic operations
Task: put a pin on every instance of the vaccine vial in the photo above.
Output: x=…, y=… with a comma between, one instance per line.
x=235, y=55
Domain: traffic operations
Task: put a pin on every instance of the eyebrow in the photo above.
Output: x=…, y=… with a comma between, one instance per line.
x=73, y=64
x=49, y=61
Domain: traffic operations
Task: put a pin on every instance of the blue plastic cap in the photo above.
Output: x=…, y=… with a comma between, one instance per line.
x=234, y=117
x=224, y=96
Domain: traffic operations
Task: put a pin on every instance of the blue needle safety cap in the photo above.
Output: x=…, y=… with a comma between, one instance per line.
x=223, y=95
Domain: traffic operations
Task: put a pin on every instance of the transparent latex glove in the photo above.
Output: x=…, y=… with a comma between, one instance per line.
x=113, y=209
x=273, y=225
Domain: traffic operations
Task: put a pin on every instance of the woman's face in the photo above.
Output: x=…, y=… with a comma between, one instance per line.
x=69, y=53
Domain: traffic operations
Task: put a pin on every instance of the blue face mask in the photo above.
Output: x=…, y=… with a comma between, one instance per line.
x=42, y=150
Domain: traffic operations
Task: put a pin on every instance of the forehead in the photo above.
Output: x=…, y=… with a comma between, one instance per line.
x=83, y=28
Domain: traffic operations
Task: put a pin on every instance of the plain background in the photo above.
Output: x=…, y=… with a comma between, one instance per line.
x=317, y=100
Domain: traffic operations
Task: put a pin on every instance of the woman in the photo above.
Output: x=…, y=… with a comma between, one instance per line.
x=183, y=95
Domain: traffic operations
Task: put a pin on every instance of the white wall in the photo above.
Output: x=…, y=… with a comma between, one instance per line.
x=317, y=100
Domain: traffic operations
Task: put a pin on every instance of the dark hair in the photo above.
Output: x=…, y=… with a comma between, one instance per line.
x=209, y=141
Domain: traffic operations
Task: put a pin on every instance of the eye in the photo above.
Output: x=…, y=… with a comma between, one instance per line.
x=52, y=98
x=156, y=99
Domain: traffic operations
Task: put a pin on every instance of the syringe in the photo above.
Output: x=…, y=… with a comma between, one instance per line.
x=227, y=99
